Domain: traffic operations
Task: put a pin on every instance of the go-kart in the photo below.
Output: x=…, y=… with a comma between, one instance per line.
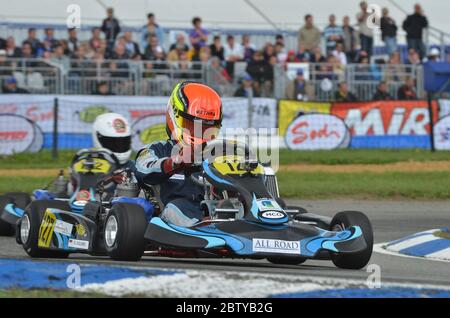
x=87, y=167
x=243, y=220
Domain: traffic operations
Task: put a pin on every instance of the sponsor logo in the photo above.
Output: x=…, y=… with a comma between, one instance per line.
x=119, y=126
x=266, y=205
x=272, y=215
x=83, y=195
x=89, y=114
x=315, y=132
x=17, y=134
x=63, y=227
x=276, y=246
x=78, y=244
x=80, y=203
x=81, y=230
x=13, y=135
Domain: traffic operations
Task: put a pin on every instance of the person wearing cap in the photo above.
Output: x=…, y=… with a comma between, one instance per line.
x=247, y=88
x=11, y=87
x=434, y=55
x=299, y=89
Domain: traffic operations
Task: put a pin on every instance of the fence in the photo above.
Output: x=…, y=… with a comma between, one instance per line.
x=29, y=123
x=156, y=78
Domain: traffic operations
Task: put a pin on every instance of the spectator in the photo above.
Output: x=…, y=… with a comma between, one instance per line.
x=102, y=89
x=344, y=95
x=382, y=93
x=302, y=56
x=5, y=65
x=95, y=41
x=198, y=35
x=340, y=54
x=27, y=50
x=269, y=51
x=261, y=72
x=248, y=47
x=388, y=32
x=309, y=35
x=217, y=76
x=350, y=39
x=280, y=53
x=11, y=49
x=414, y=26
x=279, y=40
x=35, y=44
x=49, y=39
x=183, y=67
x=299, y=89
x=131, y=47
x=317, y=56
x=180, y=43
x=151, y=28
x=365, y=31
x=152, y=49
x=407, y=91
x=217, y=49
x=434, y=55
x=72, y=42
x=2, y=43
x=233, y=52
x=333, y=34
x=216, y=65
x=111, y=28
x=413, y=58
x=10, y=87
x=246, y=88
x=59, y=58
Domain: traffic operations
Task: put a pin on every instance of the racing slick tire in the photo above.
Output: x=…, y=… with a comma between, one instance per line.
x=124, y=232
x=286, y=261
x=345, y=220
x=32, y=219
x=21, y=200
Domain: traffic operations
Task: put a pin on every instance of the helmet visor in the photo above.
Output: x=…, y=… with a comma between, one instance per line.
x=197, y=132
x=115, y=144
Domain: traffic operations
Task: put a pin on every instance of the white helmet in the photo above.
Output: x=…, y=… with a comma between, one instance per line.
x=112, y=131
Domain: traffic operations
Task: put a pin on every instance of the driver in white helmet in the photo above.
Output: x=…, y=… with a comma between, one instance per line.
x=111, y=131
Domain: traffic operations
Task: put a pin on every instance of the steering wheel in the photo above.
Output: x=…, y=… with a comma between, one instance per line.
x=224, y=147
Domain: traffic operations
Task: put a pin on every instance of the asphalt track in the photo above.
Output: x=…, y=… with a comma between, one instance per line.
x=391, y=220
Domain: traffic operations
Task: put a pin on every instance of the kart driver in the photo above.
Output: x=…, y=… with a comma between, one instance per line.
x=110, y=131
x=193, y=117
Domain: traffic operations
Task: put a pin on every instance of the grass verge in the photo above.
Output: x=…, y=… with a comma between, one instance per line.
x=45, y=293
x=44, y=159
x=320, y=185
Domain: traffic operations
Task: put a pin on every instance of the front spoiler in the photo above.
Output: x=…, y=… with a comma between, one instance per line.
x=241, y=238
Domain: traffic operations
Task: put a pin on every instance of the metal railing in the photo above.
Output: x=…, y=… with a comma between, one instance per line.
x=362, y=79
x=157, y=78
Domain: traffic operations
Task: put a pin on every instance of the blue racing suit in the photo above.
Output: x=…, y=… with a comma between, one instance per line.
x=179, y=194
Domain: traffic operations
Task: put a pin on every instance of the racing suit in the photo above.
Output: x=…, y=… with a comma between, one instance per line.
x=179, y=194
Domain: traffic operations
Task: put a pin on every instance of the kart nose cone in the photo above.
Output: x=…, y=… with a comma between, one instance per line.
x=25, y=228
x=111, y=231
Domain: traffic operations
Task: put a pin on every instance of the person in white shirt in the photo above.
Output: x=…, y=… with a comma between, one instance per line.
x=340, y=54
x=233, y=51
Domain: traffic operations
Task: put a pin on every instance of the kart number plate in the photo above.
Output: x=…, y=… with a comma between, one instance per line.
x=276, y=246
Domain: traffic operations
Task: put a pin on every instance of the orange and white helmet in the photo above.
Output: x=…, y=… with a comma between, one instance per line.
x=194, y=114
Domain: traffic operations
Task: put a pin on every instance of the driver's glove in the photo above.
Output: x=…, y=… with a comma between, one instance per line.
x=185, y=158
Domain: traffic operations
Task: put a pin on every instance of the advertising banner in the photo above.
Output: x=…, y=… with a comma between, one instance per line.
x=393, y=124
x=317, y=132
x=288, y=110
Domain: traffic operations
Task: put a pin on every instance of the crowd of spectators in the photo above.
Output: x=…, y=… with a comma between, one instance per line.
x=344, y=43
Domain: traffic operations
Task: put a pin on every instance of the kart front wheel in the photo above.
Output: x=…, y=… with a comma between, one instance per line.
x=344, y=220
x=124, y=232
x=286, y=260
x=30, y=224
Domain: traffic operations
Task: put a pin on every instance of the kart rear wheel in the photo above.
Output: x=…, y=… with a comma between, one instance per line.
x=30, y=225
x=286, y=260
x=20, y=200
x=344, y=220
x=124, y=232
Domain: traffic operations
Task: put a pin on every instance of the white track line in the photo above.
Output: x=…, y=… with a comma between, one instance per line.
x=379, y=248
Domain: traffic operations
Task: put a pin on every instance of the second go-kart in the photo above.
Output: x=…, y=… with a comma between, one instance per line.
x=88, y=167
